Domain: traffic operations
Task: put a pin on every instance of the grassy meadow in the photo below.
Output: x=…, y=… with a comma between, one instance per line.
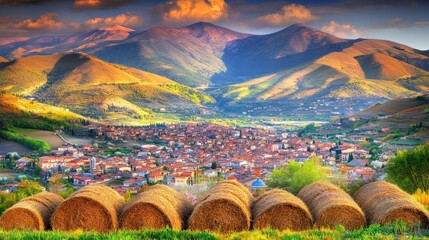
x=393, y=231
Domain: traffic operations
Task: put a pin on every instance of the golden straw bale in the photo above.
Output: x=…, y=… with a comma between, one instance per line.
x=279, y=209
x=93, y=207
x=239, y=185
x=225, y=208
x=384, y=202
x=232, y=188
x=31, y=213
x=331, y=206
x=158, y=207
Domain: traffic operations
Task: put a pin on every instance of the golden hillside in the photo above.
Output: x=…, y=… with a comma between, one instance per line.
x=368, y=68
x=92, y=87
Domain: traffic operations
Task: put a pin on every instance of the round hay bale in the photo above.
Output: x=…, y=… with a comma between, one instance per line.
x=331, y=206
x=93, y=207
x=157, y=207
x=225, y=208
x=243, y=188
x=384, y=203
x=31, y=213
x=231, y=187
x=279, y=209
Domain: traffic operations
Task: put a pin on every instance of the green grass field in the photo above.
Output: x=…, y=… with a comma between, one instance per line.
x=393, y=231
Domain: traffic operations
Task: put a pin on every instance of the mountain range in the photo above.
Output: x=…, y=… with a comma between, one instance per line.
x=296, y=65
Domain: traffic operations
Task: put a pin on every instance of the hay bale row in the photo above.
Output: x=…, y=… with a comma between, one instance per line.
x=31, y=213
x=93, y=207
x=279, y=209
x=158, y=207
x=384, y=202
x=225, y=207
x=331, y=206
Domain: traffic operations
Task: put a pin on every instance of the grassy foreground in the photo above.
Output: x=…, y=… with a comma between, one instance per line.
x=394, y=231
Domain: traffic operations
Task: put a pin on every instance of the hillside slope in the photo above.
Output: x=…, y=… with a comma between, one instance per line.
x=92, y=87
x=21, y=112
x=405, y=108
x=189, y=55
x=367, y=68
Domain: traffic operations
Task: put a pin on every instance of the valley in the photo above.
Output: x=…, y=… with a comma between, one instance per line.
x=214, y=119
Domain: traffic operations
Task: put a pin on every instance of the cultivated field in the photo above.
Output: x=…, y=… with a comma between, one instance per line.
x=53, y=140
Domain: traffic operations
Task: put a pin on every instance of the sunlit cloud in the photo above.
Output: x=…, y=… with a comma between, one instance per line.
x=126, y=20
x=344, y=30
x=47, y=21
x=289, y=14
x=91, y=4
x=400, y=23
x=189, y=11
x=51, y=22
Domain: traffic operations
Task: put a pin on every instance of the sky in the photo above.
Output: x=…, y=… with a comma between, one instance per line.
x=401, y=21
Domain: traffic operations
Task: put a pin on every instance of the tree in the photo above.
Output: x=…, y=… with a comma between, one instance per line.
x=128, y=196
x=294, y=176
x=307, y=129
x=410, y=169
x=29, y=188
x=214, y=165
x=9, y=163
x=65, y=194
x=55, y=184
x=350, y=157
x=144, y=188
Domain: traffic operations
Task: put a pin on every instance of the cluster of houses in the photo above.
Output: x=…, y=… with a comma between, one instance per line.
x=188, y=154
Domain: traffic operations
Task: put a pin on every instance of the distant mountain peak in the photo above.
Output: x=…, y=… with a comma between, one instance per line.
x=298, y=25
x=202, y=25
x=116, y=28
x=302, y=28
x=296, y=30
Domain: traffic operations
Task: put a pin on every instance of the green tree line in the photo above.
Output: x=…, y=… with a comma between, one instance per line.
x=34, y=144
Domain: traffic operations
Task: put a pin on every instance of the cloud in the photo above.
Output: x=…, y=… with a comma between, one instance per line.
x=91, y=4
x=4, y=20
x=51, y=22
x=399, y=23
x=125, y=19
x=344, y=30
x=47, y=21
x=189, y=11
x=394, y=22
x=289, y=14
x=421, y=24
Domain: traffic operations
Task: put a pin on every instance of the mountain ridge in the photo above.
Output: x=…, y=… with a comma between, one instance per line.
x=296, y=63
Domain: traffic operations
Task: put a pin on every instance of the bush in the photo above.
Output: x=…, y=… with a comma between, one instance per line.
x=294, y=176
x=410, y=169
x=28, y=188
x=420, y=98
